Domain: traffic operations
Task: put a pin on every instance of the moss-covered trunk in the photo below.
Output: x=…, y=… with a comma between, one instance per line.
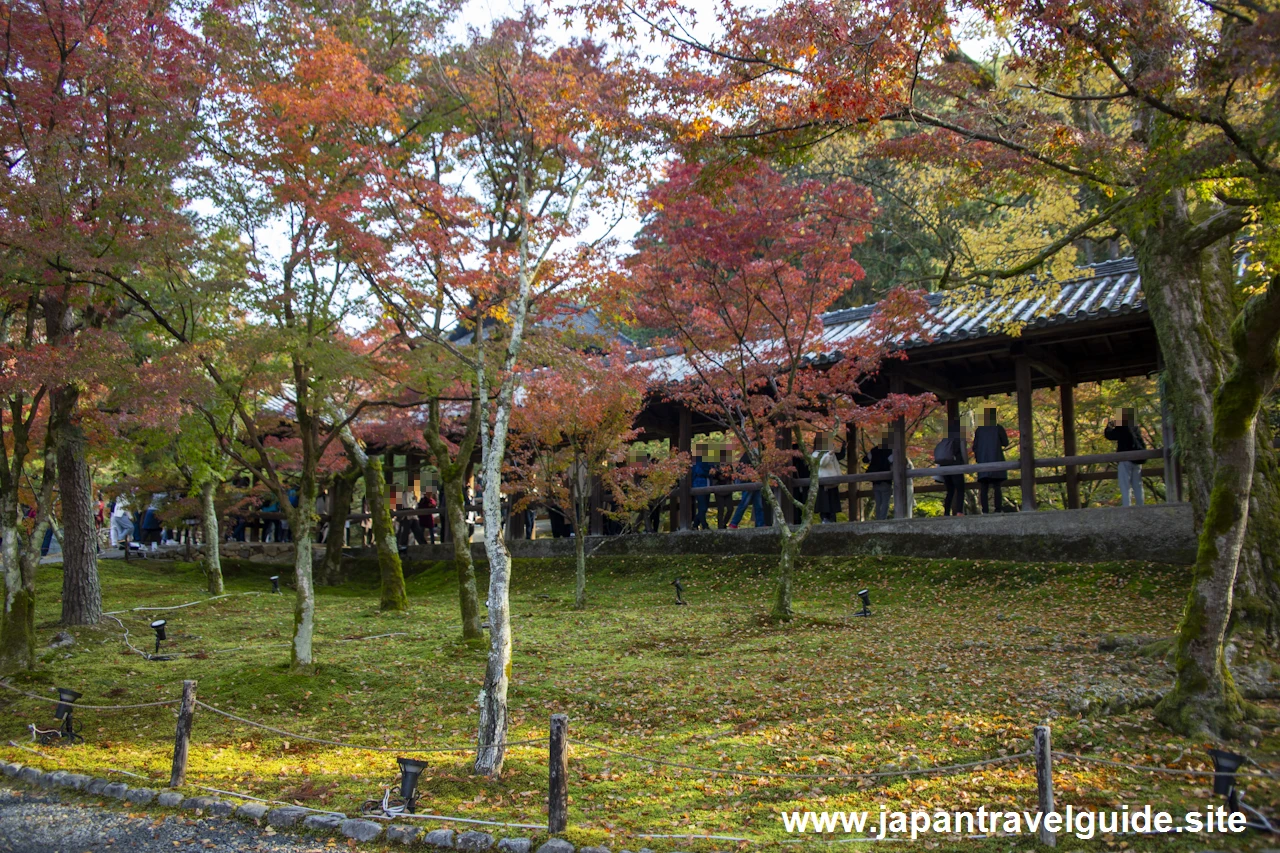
x=391, y=569
x=212, y=537
x=1193, y=299
x=1205, y=700
x=18, y=620
x=452, y=462
x=341, y=495
x=468, y=596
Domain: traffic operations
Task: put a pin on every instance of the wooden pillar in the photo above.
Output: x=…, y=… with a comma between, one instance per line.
x=597, y=502
x=558, y=775
x=852, y=461
x=685, y=442
x=515, y=520
x=1172, y=470
x=182, y=736
x=899, y=456
x=1067, y=395
x=1026, y=438
x=1044, y=780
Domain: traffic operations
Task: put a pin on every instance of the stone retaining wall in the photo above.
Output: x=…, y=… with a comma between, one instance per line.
x=1162, y=533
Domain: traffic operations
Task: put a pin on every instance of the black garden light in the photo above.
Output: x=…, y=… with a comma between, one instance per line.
x=158, y=627
x=275, y=583
x=62, y=711
x=865, y=595
x=679, y=591
x=1225, y=765
x=66, y=698
x=410, y=770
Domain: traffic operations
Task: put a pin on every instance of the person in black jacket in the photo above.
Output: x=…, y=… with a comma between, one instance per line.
x=877, y=459
x=1127, y=437
x=989, y=442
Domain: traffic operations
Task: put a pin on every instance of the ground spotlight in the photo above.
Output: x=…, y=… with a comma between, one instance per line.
x=865, y=595
x=275, y=583
x=410, y=770
x=1225, y=765
x=158, y=627
x=679, y=591
x=63, y=711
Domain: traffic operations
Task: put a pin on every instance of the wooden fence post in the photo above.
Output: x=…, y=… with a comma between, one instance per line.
x=182, y=738
x=1044, y=782
x=558, y=775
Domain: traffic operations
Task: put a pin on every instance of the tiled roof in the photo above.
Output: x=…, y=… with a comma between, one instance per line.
x=1113, y=288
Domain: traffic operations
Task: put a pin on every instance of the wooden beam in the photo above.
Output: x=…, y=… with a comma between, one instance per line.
x=684, y=445
x=1026, y=439
x=852, y=461
x=1048, y=364
x=1067, y=397
x=928, y=380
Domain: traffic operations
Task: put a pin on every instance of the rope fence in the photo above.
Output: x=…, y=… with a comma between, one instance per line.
x=1171, y=771
x=78, y=705
x=557, y=745
x=767, y=774
x=179, y=606
x=403, y=750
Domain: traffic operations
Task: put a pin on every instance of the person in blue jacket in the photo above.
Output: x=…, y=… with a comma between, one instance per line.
x=700, y=474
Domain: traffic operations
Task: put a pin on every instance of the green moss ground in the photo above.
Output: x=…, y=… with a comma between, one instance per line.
x=960, y=661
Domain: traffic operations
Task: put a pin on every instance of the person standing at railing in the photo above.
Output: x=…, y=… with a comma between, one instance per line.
x=1127, y=437
x=989, y=442
x=880, y=459
x=753, y=499
x=700, y=476
x=952, y=451
x=826, y=463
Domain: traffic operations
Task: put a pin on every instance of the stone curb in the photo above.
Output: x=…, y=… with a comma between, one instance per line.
x=272, y=817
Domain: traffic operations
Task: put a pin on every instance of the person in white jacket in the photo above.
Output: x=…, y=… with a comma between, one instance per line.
x=826, y=462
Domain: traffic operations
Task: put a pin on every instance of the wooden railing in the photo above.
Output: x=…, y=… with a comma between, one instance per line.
x=977, y=468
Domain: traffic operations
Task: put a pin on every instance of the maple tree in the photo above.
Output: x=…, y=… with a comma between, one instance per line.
x=739, y=265
x=299, y=122
x=574, y=425
x=96, y=123
x=513, y=143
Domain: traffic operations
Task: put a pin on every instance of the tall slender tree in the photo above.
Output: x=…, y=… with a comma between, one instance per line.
x=96, y=124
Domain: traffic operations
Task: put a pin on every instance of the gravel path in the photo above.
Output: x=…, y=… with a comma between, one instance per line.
x=40, y=822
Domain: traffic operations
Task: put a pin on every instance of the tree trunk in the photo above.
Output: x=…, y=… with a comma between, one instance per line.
x=1204, y=700
x=580, y=566
x=394, y=596
x=304, y=606
x=81, y=592
x=497, y=676
x=18, y=621
x=1256, y=608
x=468, y=597
x=212, y=537
x=341, y=495
x=790, y=541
